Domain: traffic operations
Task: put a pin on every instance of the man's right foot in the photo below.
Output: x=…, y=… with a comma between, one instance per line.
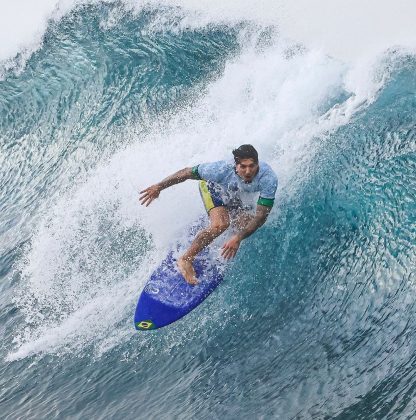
x=187, y=270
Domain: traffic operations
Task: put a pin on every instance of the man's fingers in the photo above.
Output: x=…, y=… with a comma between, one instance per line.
x=229, y=255
x=228, y=252
x=146, y=197
x=145, y=200
x=143, y=197
x=146, y=191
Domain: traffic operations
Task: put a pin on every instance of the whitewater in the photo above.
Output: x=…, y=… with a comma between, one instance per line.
x=100, y=99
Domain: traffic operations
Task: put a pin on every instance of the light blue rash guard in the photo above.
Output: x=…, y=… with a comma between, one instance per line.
x=223, y=174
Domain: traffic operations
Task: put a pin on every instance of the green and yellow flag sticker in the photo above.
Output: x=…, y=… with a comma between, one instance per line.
x=145, y=325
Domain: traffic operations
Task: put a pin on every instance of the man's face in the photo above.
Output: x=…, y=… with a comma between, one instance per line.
x=247, y=169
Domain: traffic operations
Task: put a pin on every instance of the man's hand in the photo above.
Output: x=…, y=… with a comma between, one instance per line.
x=230, y=248
x=149, y=194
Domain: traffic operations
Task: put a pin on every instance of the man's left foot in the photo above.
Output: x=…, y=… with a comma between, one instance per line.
x=187, y=270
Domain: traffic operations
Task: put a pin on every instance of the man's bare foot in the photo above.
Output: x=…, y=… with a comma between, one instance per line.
x=187, y=270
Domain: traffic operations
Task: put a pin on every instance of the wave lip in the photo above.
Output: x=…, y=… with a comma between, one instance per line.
x=374, y=26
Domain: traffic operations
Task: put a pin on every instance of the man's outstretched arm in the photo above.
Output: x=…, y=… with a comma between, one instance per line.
x=152, y=192
x=230, y=248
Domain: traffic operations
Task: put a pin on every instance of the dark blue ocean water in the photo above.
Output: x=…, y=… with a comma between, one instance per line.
x=316, y=316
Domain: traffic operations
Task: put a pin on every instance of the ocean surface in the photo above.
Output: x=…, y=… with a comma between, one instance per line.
x=316, y=316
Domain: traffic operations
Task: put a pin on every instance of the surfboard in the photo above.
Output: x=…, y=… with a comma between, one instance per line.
x=167, y=297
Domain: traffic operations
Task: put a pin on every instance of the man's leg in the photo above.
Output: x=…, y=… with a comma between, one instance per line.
x=219, y=222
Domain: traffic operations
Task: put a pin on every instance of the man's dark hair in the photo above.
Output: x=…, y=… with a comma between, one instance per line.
x=245, y=151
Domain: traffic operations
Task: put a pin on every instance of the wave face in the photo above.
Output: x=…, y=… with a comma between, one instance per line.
x=315, y=317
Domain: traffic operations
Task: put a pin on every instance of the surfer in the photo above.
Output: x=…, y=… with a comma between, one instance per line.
x=224, y=186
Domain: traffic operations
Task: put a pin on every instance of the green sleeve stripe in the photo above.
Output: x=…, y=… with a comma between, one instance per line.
x=268, y=202
x=195, y=172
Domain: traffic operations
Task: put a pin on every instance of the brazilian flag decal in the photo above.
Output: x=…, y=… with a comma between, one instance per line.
x=145, y=325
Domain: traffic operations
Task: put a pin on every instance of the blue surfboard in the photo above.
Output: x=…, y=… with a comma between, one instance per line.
x=167, y=297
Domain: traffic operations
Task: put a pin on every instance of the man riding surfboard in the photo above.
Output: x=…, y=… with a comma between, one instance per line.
x=223, y=186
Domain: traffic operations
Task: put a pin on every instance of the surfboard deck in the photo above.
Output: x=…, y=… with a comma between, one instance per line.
x=167, y=297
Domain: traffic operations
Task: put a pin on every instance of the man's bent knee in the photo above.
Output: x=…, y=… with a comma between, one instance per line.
x=220, y=227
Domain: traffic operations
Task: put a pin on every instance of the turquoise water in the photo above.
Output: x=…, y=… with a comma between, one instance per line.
x=315, y=318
